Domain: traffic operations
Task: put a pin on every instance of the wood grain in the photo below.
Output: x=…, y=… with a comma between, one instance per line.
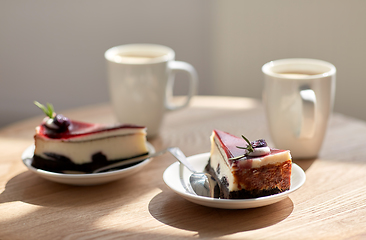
x=330, y=205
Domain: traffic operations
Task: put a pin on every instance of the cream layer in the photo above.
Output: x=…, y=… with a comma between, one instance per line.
x=81, y=149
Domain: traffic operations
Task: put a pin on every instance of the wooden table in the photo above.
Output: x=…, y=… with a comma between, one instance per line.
x=330, y=205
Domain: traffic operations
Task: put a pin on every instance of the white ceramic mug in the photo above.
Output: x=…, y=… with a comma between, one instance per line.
x=298, y=97
x=141, y=79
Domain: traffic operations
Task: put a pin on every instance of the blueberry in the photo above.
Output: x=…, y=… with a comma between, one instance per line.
x=259, y=143
x=224, y=181
x=62, y=122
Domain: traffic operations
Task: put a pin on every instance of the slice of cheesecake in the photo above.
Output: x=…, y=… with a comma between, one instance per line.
x=248, y=170
x=63, y=145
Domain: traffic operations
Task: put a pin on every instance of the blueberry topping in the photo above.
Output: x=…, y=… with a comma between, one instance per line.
x=54, y=122
x=224, y=181
x=259, y=143
x=250, y=148
x=62, y=122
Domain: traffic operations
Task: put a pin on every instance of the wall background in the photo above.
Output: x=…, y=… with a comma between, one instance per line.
x=53, y=51
x=248, y=34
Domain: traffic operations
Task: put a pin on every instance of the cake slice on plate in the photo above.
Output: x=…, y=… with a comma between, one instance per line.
x=248, y=169
x=63, y=145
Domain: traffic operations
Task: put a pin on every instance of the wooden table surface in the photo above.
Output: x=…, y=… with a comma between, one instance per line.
x=330, y=205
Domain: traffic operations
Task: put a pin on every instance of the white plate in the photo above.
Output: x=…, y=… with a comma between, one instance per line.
x=84, y=179
x=172, y=179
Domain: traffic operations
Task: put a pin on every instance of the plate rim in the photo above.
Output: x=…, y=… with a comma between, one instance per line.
x=235, y=202
x=26, y=155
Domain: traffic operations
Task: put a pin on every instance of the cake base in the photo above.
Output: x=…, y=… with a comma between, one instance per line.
x=61, y=164
x=258, y=182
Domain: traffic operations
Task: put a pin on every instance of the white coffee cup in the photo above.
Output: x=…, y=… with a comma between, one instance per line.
x=141, y=80
x=298, y=97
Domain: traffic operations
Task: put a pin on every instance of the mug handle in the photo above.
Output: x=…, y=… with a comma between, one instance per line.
x=308, y=100
x=178, y=66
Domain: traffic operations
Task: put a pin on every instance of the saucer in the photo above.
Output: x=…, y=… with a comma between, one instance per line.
x=82, y=179
x=171, y=177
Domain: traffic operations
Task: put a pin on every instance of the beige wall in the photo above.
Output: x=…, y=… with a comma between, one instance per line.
x=251, y=33
x=53, y=50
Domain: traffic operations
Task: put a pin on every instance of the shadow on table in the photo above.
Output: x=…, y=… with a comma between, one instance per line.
x=208, y=222
x=71, y=212
x=29, y=188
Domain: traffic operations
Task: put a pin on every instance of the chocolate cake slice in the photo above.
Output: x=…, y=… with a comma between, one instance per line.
x=63, y=145
x=248, y=169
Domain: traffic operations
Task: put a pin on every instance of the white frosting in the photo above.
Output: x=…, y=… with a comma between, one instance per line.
x=260, y=151
x=50, y=124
